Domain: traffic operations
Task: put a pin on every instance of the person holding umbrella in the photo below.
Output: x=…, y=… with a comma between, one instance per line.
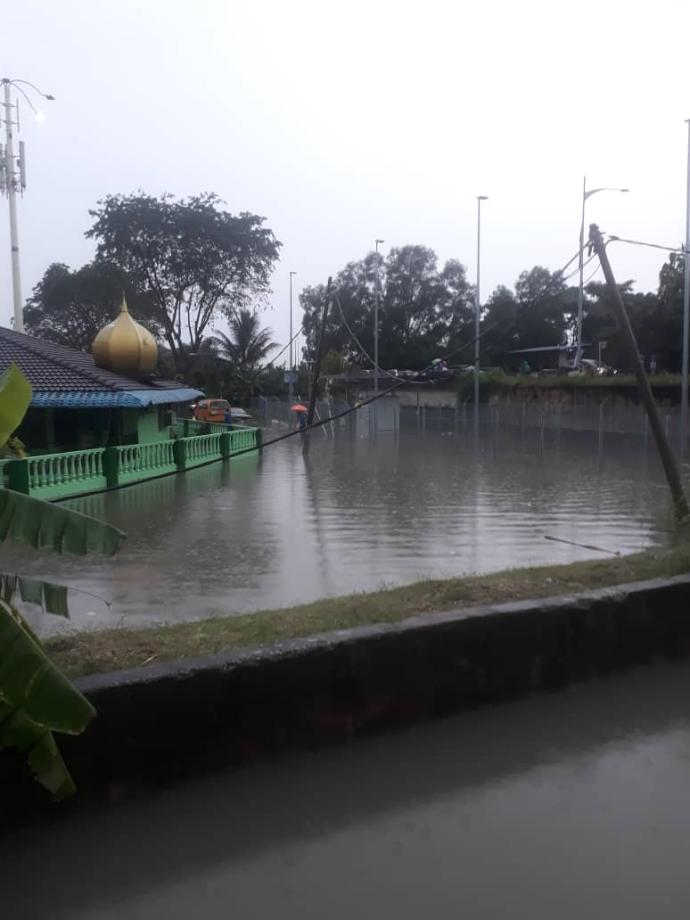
x=301, y=415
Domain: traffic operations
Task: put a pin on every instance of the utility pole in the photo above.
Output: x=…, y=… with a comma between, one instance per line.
x=11, y=191
x=13, y=179
x=477, y=318
x=680, y=501
x=291, y=384
x=686, y=319
x=319, y=351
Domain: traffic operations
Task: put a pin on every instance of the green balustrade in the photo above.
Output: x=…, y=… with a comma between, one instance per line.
x=54, y=476
x=243, y=439
x=144, y=461
x=70, y=473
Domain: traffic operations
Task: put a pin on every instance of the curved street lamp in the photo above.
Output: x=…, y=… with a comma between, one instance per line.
x=586, y=193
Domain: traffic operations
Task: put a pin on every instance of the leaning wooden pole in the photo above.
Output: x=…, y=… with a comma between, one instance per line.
x=319, y=352
x=680, y=501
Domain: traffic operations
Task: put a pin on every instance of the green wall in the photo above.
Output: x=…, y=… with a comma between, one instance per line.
x=153, y=424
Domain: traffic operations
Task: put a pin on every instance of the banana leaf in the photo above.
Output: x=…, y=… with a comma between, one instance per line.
x=36, y=699
x=42, y=524
x=15, y=396
x=50, y=597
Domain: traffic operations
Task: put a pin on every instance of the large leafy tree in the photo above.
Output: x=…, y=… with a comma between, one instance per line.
x=195, y=259
x=600, y=324
x=499, y=326
x=544, y=304
x=424, y=310
x=538, y=314
x=70, y=307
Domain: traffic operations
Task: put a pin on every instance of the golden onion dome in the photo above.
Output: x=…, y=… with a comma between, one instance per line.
x=125, y=347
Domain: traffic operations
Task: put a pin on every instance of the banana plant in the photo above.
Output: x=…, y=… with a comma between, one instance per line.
x=36, y=699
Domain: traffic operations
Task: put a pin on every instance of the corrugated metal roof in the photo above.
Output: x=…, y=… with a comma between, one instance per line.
x=62, y=376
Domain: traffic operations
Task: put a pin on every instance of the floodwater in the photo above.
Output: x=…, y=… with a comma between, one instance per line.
x=565, y=805
x=351, y=515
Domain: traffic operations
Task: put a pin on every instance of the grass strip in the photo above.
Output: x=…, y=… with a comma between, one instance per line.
x=96, y=651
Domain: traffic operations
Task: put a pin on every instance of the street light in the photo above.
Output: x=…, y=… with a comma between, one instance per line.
x=686, y=319
x=291, y=383
x=477, y=316
x=13, y=179
x=376, y=321
x=586, y=193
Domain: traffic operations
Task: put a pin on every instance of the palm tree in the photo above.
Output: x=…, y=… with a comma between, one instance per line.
x=248, y=344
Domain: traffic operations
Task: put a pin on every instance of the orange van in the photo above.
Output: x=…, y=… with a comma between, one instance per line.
x=211, y=410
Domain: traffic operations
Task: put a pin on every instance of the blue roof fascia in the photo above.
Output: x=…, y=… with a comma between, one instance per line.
x=118, y=399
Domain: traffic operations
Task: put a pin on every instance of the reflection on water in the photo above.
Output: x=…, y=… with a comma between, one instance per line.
x=567, y=805
x=352, y=515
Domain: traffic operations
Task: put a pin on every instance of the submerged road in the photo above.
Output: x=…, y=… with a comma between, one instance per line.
x=566, y=805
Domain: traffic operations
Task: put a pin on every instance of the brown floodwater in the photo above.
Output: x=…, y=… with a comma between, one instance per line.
x=352, y=515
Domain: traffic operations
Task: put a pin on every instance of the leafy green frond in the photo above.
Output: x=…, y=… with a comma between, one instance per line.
x=50, y=597
x=41, y=524
x=35, y=700
x=15, y=396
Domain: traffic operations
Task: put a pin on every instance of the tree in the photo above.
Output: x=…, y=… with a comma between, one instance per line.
x=243, y=351
x=248, y=344
x=196, y=260
x=71, y=307
x=601, y=325
x=499, y=326
x=543, y=304
x=538, y=315
x=423, y=312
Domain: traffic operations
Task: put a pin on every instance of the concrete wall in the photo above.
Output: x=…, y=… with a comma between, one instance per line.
x=149, y=430
x=165, y=721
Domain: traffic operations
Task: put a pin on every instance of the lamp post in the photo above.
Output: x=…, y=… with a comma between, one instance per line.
x=686, y=319
x=377, y=298
x=586, y=193
x=477, y=317
x=291, y=369
x=13, y=180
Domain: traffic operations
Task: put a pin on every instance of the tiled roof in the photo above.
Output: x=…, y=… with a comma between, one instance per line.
x=64, y=376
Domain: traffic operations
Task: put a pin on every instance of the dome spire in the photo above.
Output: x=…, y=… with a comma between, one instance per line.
x=124, y=346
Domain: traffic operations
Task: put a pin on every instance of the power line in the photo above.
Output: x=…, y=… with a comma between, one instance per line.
x=584, y=265
x=357, y=342
x=619, y=239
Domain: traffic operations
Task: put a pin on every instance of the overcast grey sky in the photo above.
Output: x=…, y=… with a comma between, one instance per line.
x=346, y=122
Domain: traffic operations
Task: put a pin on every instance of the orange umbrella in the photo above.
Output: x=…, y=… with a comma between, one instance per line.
x=298, y=407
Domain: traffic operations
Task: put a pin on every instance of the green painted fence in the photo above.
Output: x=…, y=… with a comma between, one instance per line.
x=53, y=476
x=142, y=461
x=70, y=473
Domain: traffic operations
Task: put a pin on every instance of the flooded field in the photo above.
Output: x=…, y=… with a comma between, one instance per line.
x=351, y=515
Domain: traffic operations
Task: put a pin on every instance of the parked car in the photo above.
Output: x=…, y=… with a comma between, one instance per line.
x=237, y=414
